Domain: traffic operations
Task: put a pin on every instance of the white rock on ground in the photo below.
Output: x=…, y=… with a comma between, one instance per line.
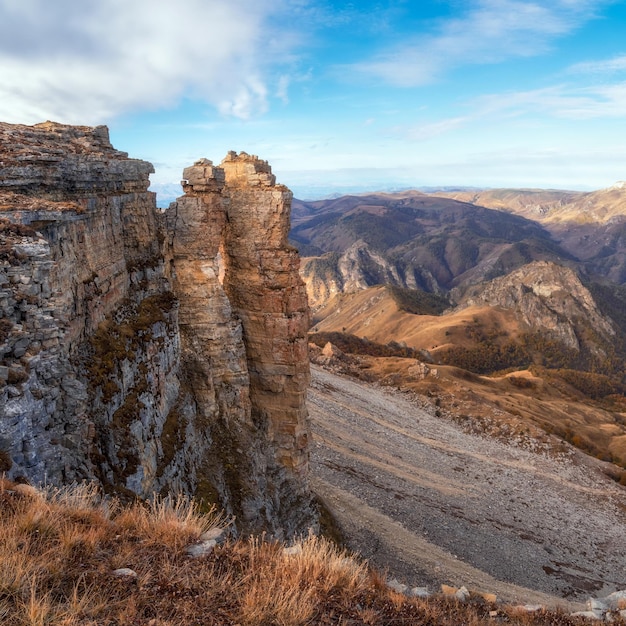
x=198, y=550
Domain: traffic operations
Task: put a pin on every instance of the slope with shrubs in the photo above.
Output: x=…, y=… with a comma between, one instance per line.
x=60, y=549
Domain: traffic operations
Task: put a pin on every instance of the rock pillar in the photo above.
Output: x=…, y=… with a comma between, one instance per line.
x=244, y=343
x=265, y=289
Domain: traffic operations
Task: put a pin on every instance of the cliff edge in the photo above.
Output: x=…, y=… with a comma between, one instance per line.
x=152, y=352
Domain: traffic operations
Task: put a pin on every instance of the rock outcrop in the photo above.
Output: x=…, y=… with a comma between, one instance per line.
x=549, y=298
x=254, y=392
x=356, y=269
x=122, y=356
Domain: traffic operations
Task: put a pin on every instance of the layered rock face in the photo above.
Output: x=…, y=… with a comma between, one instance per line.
x=550, y=298
x=244, y=342
x=85, y=267
x=122, y=357
x=358, y=268
x=263, y=283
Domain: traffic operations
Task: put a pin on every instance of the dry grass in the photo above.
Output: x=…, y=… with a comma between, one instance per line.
x=59, y=550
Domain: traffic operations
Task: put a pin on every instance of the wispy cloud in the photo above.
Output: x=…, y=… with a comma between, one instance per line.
x=491, y=31
x=606, y=66
x=85, y=61
x=562, y=101
x=423, y=132
x=559, y=101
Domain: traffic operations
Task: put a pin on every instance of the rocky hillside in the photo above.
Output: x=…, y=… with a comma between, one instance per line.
x=412, y=240
x=590, y=226
x=550, y=299
x=441, y=241
x=541, y=299
x=123, y=357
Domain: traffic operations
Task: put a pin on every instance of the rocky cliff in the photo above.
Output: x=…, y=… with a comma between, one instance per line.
x=551, y=299
x=123, y=358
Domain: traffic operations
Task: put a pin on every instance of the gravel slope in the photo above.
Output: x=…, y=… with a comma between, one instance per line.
x=433, y=504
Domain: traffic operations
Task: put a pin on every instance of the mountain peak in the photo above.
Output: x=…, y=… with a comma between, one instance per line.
x=620, y=184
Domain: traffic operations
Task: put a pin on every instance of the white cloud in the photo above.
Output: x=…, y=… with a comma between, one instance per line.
x=282, y=90
x=85, y=61
x=423, y=132
x=491, y=31
x=579, y=103
x=606, y=66
x=562, y=101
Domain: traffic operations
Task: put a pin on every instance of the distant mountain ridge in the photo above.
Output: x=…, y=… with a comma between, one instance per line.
x=436, y=242
x=550, y=205
x=412, y=240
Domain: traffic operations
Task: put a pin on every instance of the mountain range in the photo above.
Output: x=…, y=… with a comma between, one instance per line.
x=525, y=287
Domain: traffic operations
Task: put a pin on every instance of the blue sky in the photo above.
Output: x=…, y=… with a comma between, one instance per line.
x=337, y=96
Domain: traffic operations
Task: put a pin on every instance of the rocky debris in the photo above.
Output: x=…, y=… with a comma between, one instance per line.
x=487, y=508
x=605, y=609
x=292, y=550
x=125, y=572
x=334, y=359
x=420, y=592
x=330, y=355
x=461, y=594
x=208, y=541
x=420, y=371
x=331, y=351
x=397, y=586
x=198, y=550
x=529, y=608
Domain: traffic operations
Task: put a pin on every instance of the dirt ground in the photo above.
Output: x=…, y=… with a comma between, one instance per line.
x=432, y=504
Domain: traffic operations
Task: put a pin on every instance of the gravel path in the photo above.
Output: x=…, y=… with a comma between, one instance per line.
x=433, y=504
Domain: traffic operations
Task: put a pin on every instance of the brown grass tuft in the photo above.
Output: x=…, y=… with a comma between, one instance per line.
x=60, y=547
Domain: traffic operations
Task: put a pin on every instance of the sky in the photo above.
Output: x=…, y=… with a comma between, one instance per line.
x=338, y=96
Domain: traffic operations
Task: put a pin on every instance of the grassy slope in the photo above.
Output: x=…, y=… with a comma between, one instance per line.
x=59, y=550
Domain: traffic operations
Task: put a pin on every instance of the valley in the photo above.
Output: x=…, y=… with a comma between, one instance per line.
x=530, y=323
x=468, y=402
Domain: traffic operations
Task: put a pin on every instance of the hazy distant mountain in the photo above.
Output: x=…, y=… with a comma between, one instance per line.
x=550, y=206
x=591, y=226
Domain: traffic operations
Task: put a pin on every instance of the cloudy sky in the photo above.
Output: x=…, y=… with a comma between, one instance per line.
x=338, y=96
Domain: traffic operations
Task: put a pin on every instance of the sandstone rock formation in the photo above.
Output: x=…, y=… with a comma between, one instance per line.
x=258, y=387
x=122, y=357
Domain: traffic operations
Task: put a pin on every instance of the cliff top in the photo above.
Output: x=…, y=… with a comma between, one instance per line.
x=64, y=163
x=245, y=169
x=50, y=140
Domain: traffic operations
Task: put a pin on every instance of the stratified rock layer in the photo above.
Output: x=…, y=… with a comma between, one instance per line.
x=263, y=283
x=256, y=388
x=122, y=356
